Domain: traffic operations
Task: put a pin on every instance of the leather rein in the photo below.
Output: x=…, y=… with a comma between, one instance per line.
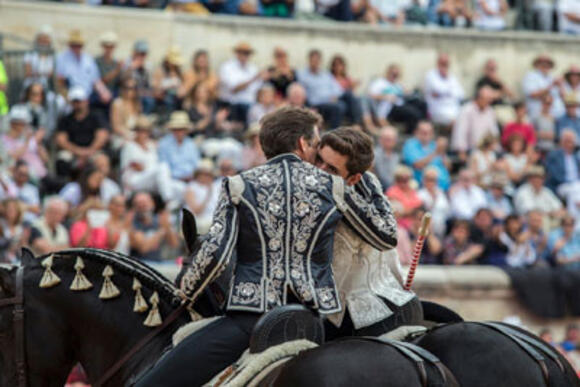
x=17, y=304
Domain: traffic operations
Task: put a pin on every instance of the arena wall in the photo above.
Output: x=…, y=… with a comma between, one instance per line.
x=367, y=48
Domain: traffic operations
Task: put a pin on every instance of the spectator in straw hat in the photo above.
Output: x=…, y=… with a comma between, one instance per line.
x=540, y=82
x=534, y=196
x=39, y=64
x=167, y=80
x=76, y=68
x=497, y=201
x=177, y=149
x=109, y=67
x=239, y=82
x=201, y=194
x=466, y=198
x=572, y=81
x=570, y=119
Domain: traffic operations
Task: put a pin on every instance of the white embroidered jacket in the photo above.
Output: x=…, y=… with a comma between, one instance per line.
x=362, y=274
x=277, y=221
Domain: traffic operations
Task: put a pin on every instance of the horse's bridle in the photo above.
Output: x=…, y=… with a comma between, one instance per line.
x=17, y=303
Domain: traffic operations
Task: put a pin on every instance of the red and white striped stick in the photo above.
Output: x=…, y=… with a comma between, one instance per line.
x=423, y=232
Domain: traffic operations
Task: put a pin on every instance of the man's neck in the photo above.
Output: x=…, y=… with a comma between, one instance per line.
x=79, y=115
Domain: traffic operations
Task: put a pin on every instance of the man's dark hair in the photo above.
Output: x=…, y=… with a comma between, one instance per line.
x=282, y=129
x=313, y=52
x=352, y=143
x=519, y=104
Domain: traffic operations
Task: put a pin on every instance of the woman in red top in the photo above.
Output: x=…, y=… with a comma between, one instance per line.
x=338, y=70
x=406, y=195
x=519, y=126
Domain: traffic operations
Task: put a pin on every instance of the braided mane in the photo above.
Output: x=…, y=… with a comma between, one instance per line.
x=126, y=265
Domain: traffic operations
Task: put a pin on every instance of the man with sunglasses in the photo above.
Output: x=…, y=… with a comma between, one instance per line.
x=370, y=282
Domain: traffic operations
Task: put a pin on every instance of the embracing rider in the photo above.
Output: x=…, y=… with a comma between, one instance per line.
x=369, y=281
x=277, y=222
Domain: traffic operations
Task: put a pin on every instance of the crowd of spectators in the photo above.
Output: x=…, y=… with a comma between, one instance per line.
x=486, y=15
x=104, y=151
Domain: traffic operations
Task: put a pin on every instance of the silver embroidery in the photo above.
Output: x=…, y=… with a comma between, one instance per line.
x=247, y=293
x=326, y=298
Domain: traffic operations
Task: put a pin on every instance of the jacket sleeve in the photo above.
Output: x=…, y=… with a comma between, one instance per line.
x=367, y=211
x=217, y=248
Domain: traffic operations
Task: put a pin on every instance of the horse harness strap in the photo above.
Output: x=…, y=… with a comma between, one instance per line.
x=140, y=344
x=17, y=302
x=416, y=354
x=526, y=345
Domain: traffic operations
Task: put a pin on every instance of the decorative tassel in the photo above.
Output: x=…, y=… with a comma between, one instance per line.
x=140, y=303
x=109, y=290
x=80, y=282
x=154, y=317
x=49, y=278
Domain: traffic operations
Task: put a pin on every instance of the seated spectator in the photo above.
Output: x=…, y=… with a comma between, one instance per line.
x=339, y=71
x=199, y=72
x=404, y=246
x=543, y=13
x=540, y=82
x=422, y=150
x=39, y=64
x=48, y=233
x=118, y=225
x=539, y=239
x=26, y=192
x=466, y=197
x=491, y=79
x=483, y=161
x=35, y=101
x=449, y=13
x=489, y=14
x=485, y=232
x=276, y=8
x=150, y=230
x=443, y=93
x=296, y=95
x=435, y=201
x=520, y=252
x=564, y=244
x=572, y=338
x=136, y=68
x=281, y=73
x=79, y=135
x=572, y=82
x=252, y=153
x=516, y=161
x=476, y=120
x=89, y=230
x=385, y=12
x=178, y=150
x=534, y=196
x=109, y=187
x=338, y=10
x=563, y=164
x=84, y=194
x=239, y=82
x=22, y=143
x=167, y=80
x=77, y=69
x=386, y=156
x=497, y=201
x=265, y=104
x=433, y=245
x=124, y=112
x=569, y=16
x=520, y=126
x=206, y=117
x=403, y=193
x=458, y=248
x=14, y=234
x=323, y=91
x=570, y=119
x=201, y=195
x=545, y=125
x=390, y=101
x=416, y=12
x=109, y=67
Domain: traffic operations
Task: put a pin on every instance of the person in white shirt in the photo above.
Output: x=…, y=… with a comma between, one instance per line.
x=443, y=93
x=239, y=82
x=489, y=14
x=533, y=195
x=435, y=201
x=540, y=82
x=569, y=16
x=109, y=187
x=466, y=197
x=201, y=195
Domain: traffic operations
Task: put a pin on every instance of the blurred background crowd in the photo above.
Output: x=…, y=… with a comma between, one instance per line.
x=492, y=15
x=103, y=151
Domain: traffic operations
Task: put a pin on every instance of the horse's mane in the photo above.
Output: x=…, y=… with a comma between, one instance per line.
x=124, y=264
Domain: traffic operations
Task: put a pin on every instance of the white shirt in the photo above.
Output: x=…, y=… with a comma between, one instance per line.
x=472, y=125
x=439, y=207
x=489, y=22
x=536, y=80
x=465, y=202
x=445, y=107
x=566, y=25
x=231, y=75
x=571, y=168
x=527, y=199
x=389, y=8
x=134, y=153
x=381, y=87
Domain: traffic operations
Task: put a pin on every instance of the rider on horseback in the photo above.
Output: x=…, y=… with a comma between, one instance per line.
x=369, y=281
x=278, y=222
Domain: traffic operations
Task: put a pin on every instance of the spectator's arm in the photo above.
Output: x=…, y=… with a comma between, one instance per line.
x=117, y=121
x=469, y=255
x=144, y=244
x=63, y=142
x=434, y=244
x=573, y=17
x=101, y=138
x=111, y=75
x=192, y=203
x=485, y=8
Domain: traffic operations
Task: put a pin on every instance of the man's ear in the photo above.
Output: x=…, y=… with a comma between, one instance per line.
x=301, y=146
x=353, y=179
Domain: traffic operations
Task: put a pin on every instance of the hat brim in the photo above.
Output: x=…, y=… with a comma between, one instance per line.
x=180, y=127
x=544, y=59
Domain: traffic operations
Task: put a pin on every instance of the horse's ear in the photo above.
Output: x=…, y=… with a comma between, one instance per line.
x=189, y=230
x=26, y=257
